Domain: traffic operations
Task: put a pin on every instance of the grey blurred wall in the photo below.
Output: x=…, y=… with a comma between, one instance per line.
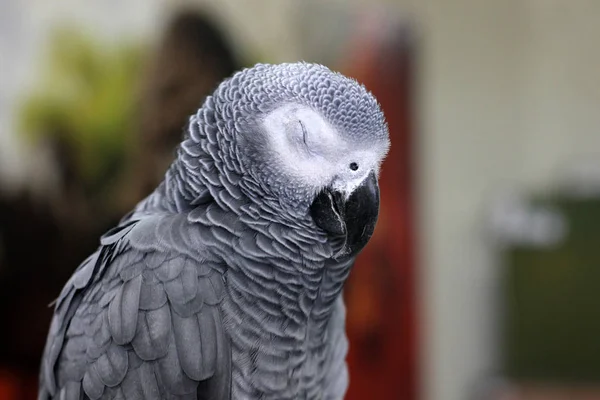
x=509, y=95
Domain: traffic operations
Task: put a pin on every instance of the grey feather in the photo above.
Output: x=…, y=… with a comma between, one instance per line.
x=170, y=269
x=71, y=391
x=122, y=312
x=141, y=383
x=112, y=365
x=92, y=385
x=189, y=346
x=152, y=295
x=183, y=288
x=174, y=378
x=149, y=384
x=153, y=330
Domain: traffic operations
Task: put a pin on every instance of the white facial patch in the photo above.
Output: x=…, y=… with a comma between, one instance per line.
x=347, y=186
x=305, y=144
x=308, y=148
x=367, y=161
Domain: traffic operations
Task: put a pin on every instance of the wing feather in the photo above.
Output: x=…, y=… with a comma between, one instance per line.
x=139, y=319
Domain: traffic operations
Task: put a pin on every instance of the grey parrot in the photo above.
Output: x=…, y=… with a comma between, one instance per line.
x=226, y=282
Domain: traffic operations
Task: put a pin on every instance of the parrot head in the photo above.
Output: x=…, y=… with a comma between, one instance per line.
x=314, y=140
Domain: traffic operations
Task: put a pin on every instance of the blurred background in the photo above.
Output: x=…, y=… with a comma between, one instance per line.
x=482, y=280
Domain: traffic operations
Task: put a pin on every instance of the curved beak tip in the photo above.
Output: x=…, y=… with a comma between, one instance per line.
x=354, y=217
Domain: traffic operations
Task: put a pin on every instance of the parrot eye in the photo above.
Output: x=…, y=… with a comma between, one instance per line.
x=353, y=166
x=304, y=133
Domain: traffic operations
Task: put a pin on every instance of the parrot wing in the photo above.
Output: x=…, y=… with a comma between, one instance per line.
x=139, y=319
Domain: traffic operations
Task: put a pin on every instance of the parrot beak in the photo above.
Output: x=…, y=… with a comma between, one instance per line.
x=354, y=217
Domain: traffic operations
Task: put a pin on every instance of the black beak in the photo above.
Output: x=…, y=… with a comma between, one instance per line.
x=354, y=219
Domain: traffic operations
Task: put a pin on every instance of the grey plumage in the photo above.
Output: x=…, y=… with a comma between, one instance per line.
x=222, y=283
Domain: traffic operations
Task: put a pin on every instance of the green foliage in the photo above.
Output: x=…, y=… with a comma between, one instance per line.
x=552, y=317
x=86, y=98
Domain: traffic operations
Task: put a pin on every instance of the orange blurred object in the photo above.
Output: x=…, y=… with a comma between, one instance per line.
x=17, y=386
x=380, y=293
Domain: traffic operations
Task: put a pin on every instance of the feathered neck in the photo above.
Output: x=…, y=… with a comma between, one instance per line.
x=173, y=195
